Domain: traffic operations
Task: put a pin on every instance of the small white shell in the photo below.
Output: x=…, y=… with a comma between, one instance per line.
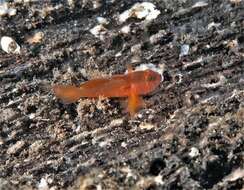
x=9, y=45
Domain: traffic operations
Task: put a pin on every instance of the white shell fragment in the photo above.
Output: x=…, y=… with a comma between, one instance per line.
x=5, y=10
x=194, y=152
x=200, y=4
x=213, y=25
x=146, y=126
x=9, y=45
x=98, y=30
x=144, y=10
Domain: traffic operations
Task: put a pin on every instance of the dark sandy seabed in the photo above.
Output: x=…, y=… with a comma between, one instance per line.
x=191, y=134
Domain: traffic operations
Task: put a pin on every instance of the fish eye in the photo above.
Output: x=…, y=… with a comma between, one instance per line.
x=151, y=78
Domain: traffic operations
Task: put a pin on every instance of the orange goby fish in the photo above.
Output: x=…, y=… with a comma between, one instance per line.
x=131, y=85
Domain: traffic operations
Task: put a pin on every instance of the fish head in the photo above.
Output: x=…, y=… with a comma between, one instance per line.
x=152, y=80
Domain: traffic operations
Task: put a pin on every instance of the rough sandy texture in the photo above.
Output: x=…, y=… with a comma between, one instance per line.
x=191, y=135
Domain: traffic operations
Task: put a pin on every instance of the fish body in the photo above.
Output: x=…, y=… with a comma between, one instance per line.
x=130, y=85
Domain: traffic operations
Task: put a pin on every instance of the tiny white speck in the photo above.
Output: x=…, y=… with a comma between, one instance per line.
x=118, y=54
x=15, y=90
x=125, y=29
x=32, y=116
x=104, y=143
x=78, y=129
x=10, y=102
x=207, y=46
x=123, y=144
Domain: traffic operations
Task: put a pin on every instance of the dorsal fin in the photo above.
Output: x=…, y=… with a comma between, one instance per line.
x=129, y=68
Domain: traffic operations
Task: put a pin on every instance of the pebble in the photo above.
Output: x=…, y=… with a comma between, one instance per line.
x=16, y=147
x=136, y=49
x=116, y=122
x=146, y=126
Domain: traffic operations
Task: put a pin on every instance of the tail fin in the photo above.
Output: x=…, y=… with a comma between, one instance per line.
x=67, y=93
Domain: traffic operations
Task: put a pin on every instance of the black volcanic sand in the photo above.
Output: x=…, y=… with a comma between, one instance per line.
x=189, y=136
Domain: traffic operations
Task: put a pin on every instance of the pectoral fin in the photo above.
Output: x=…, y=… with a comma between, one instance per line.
x=135, y=102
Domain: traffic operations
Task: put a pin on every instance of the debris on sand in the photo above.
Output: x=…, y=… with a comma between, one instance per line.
x=145, y=10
